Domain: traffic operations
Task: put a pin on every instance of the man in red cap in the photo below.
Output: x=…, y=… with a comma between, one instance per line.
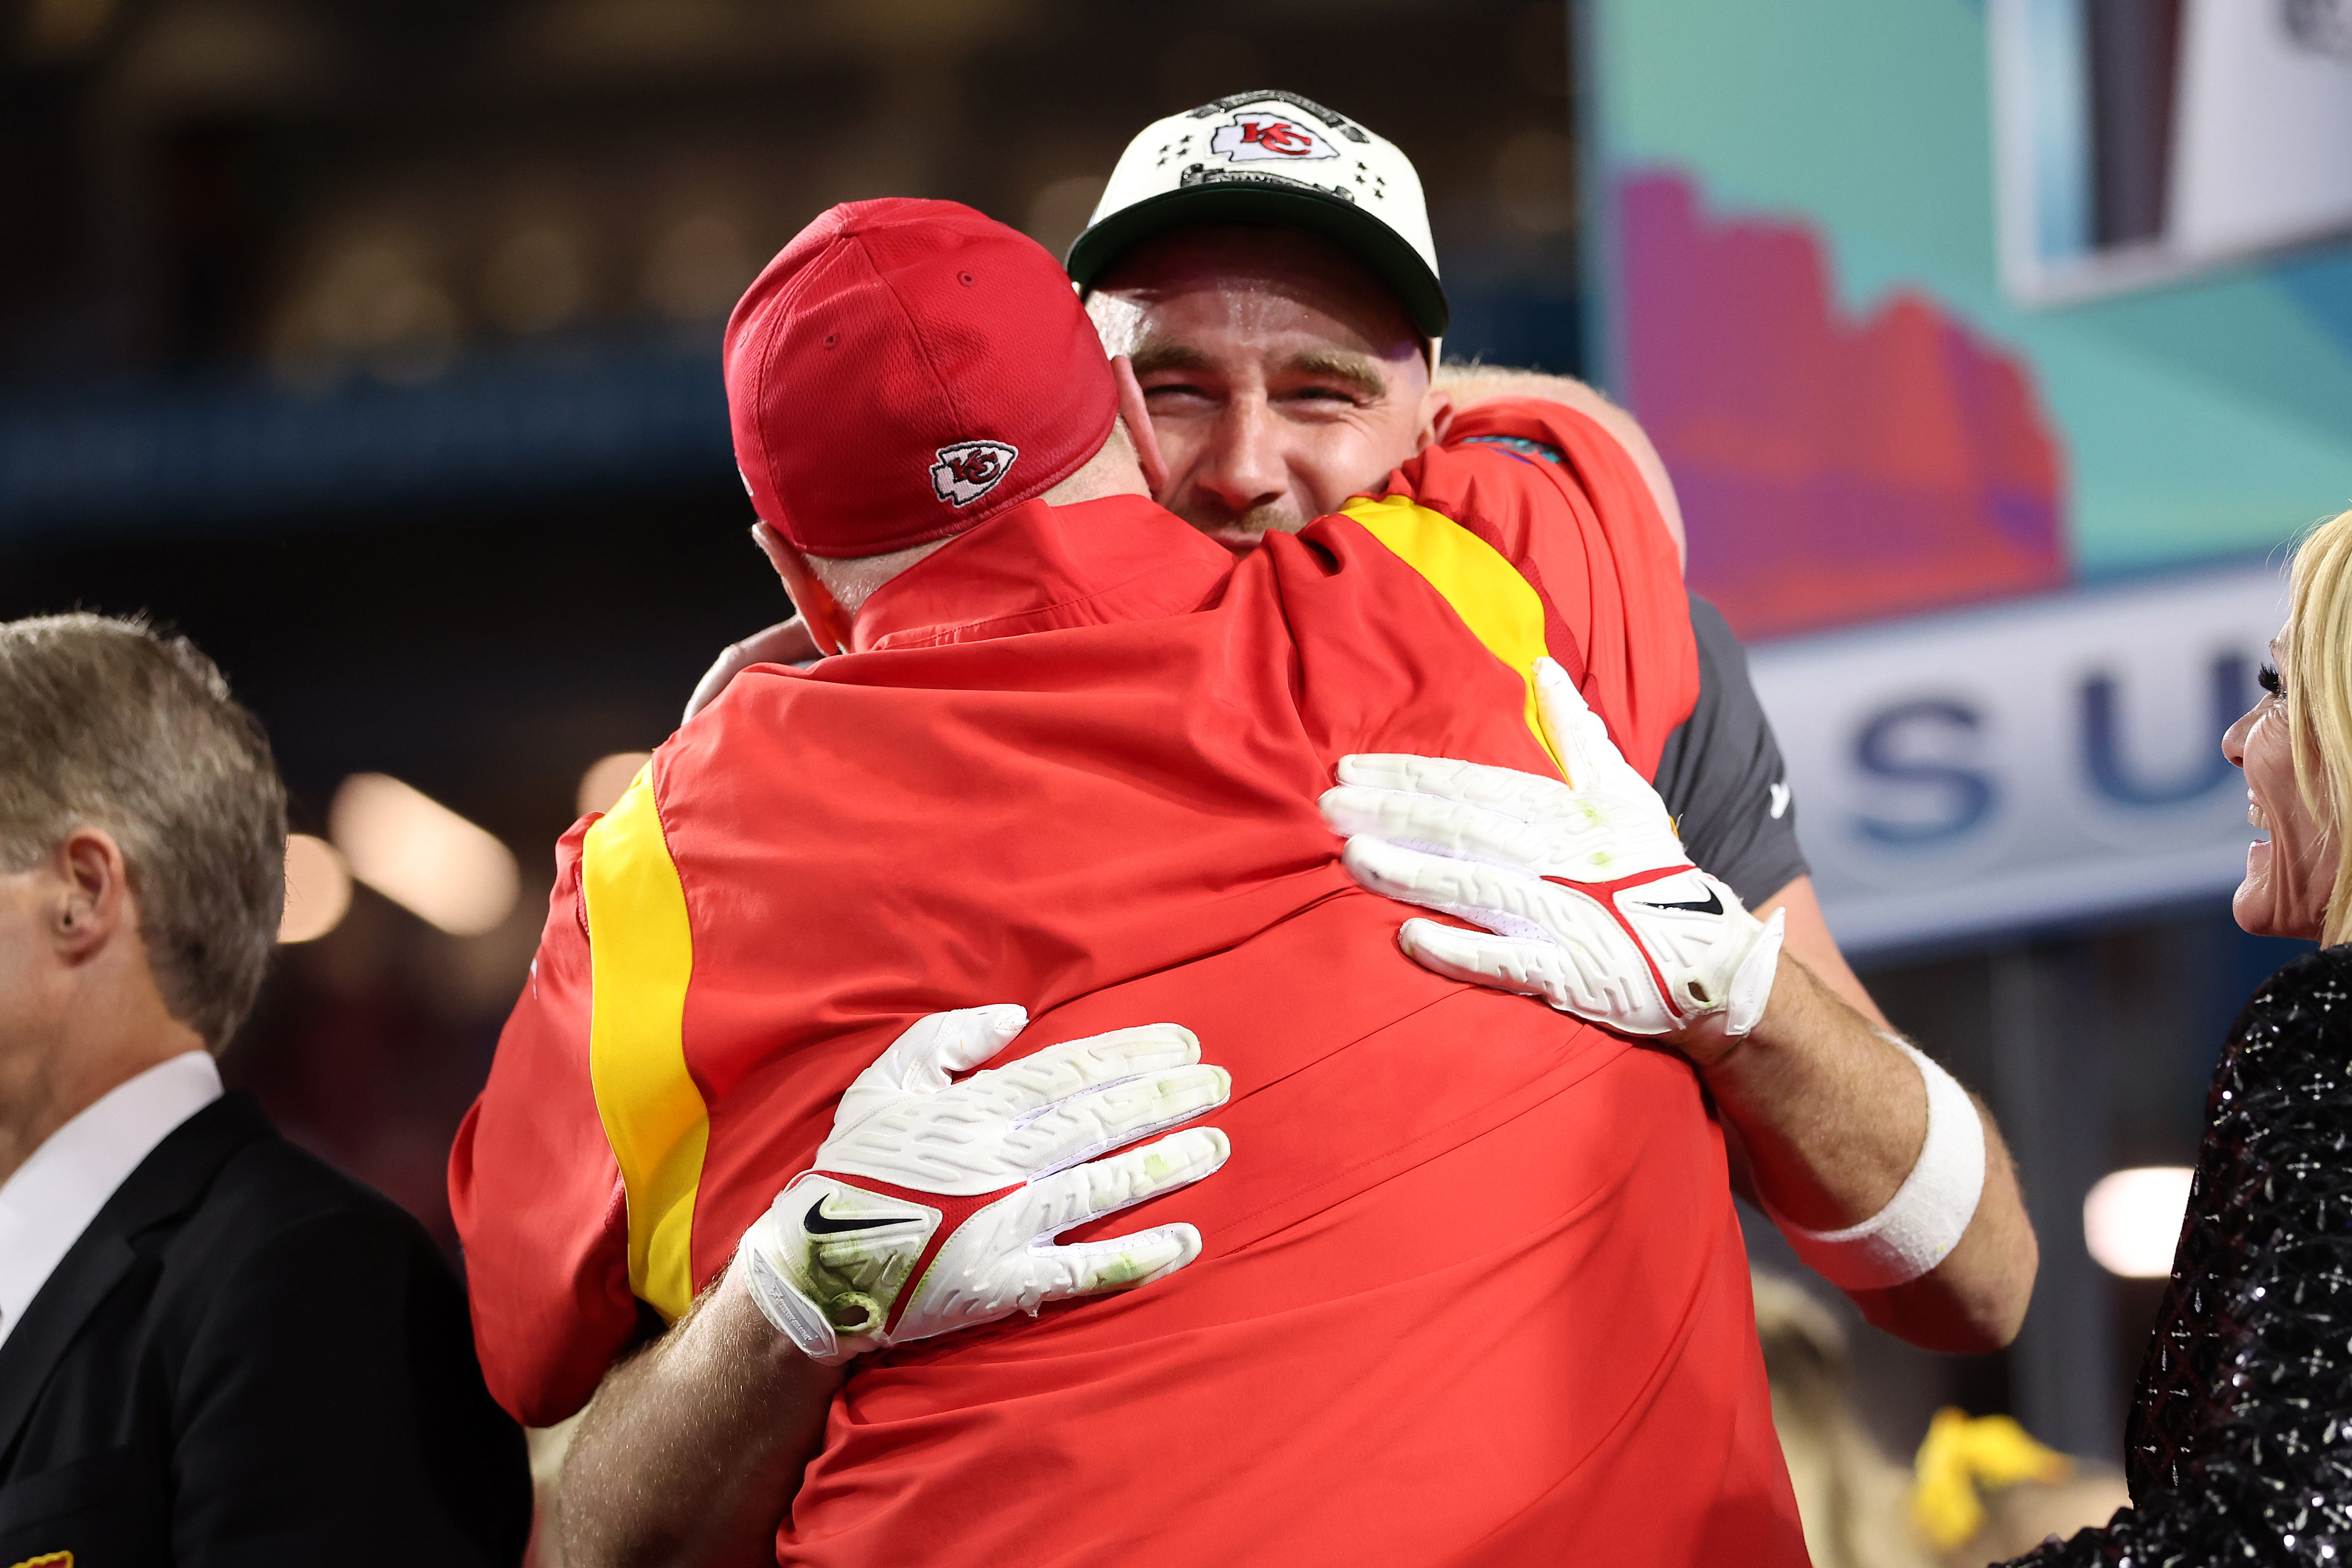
x=1470, y=1289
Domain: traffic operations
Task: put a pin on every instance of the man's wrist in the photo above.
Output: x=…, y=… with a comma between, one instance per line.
x=1743, y=1070
x=743, y=1339
x=784, y=1308
x=1756, y=983
x=1833, y=1114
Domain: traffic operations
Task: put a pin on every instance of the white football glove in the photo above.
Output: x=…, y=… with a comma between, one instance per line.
x=1593, y=902
x=933, y=1205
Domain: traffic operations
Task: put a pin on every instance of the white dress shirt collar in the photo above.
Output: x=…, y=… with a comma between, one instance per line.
x=54, y=1196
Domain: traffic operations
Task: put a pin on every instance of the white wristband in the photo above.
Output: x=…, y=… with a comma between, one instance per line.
x=1929, y=1213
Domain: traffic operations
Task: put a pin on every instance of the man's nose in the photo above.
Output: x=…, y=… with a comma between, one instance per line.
x=1242, y=467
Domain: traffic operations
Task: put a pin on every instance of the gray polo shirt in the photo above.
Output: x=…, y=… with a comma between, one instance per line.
x=1722, y=777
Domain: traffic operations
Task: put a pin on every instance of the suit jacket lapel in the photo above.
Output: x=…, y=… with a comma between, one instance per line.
x=82, y=1279
x=167, y=1184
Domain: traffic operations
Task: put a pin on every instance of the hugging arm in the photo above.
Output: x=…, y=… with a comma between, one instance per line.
x=1584, y=896
x=693, y=1448
x=1721, y=773
x=932, y=1207
x=1816, y=1104
x=1831, y=1120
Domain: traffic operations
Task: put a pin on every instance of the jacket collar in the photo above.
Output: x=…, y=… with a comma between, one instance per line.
x=1037, y=568
x=168, y=1183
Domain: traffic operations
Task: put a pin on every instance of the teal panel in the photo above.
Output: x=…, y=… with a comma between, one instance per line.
x=2194, y=419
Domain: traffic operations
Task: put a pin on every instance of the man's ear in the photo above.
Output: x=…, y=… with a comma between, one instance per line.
x=92, y=897
x=1436, y=418
x=826, y=623
x=1138, y=414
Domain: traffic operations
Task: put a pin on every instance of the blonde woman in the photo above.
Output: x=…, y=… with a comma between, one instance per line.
x=2240, y=1440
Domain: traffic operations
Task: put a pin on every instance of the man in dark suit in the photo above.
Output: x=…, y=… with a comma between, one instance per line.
x=212, y=1348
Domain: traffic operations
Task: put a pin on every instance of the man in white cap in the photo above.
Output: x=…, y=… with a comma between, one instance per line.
x=1265, y=263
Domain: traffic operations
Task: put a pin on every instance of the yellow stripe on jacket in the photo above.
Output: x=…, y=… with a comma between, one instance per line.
x=641, y=955
x=1499, y=605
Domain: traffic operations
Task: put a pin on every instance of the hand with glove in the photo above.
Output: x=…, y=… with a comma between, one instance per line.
x=1583, y=891
x=934, y=1204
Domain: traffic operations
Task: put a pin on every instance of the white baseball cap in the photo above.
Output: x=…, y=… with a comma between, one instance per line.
x=1272, y=157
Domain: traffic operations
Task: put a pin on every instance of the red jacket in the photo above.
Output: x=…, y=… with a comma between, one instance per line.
x=1473, y=1289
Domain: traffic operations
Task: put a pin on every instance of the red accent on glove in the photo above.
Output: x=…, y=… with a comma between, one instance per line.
x=1604, y=893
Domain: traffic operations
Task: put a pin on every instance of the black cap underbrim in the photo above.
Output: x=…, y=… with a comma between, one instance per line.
x=1371, y=242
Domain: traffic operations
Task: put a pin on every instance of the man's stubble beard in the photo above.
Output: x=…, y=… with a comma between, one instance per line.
x=1244, y=533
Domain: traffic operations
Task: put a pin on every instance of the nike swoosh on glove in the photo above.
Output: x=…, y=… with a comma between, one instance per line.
x=1584, y=894
x=933, y=1205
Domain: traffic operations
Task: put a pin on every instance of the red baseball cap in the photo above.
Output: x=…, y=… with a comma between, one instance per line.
x=905, y=371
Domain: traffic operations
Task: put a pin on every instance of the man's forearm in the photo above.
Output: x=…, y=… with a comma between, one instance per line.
x=1833, y=1118
x=691, y=1450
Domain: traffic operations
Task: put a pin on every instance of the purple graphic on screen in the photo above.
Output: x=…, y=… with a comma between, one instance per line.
x=1829, y=470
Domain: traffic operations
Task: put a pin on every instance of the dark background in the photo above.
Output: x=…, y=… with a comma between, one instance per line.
x=375, y=346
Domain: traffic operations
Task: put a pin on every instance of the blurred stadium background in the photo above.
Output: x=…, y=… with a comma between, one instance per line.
x=375, y=346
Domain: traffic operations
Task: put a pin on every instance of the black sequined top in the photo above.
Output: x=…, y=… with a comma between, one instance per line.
x=2239, y=1444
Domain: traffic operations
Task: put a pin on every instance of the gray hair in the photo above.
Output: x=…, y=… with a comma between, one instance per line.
x=104, y=724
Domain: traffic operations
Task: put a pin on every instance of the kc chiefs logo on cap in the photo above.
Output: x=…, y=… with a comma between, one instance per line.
x=1256, y=135
x=970, y=469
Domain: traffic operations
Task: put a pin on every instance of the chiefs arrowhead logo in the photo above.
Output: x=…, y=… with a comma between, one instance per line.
x=1255, y=136
x=970, y=469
